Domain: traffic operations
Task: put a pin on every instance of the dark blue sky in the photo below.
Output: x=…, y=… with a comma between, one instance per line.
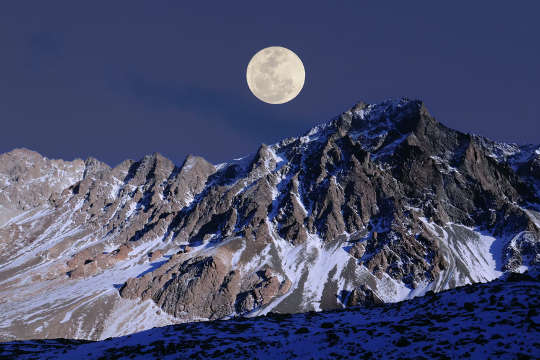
x=118, y=80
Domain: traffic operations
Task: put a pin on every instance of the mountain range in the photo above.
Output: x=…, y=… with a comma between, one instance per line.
x=381, y=204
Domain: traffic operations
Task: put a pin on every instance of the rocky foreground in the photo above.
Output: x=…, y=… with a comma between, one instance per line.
x=497, y=320
x=381, y=204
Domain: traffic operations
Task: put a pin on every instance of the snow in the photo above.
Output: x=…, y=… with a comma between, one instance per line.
x=68, y=314
x=131, y=209
x=57, y=300
x=389, y=148
x=440, y=161
x=67, y=296
x=460, y=323
x=534, y=216
x=498, y=150
x=279, y=158
x=188, y=165
x=28, y=215
x=220, y=166
x=462, y=245
x=54, y=234
x=132, y=316
x=238, y=254
x=307, y=265
x=323, y=261
x=256, y=262
x=315, y=134
x=317, y=260
x=302, y=206
x=420, y=290
x=115, y=188
x=479, y=254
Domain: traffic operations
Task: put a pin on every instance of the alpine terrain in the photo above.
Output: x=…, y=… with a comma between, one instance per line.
x=501, y=323
x=381, y=204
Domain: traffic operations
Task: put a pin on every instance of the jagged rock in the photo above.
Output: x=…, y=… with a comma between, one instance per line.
x=262, y=293
x=413, y=201
x=357, y=250
x=284, y=287
x=195, y=277
x=90, y=261
x=522, y=252
x=190, y=179
x=155, y=255
x=80, y=258
x=29, y=180
x=363, y=296
x=89, y=268
x=122, y=252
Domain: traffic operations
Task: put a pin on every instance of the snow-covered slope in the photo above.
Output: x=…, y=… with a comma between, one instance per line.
x=380, y=204
x=494, y=320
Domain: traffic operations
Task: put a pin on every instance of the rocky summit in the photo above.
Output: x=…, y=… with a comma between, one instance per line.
x=381, y=204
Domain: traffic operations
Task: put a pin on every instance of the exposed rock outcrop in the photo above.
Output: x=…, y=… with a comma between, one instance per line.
x=381, y=203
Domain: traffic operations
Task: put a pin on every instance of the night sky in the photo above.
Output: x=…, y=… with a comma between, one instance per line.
x=117, y=80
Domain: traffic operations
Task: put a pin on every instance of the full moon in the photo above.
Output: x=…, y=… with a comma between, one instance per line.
x=275, y=75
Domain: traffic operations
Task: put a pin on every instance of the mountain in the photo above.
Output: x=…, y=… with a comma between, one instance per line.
x=501, y=323
x=381, y=204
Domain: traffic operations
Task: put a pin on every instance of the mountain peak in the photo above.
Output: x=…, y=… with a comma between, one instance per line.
x=382, y=203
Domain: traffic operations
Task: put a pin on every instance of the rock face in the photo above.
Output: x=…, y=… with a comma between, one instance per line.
x=363, y=296
x=177, y=287
x=379, y=204
x=27, y=180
